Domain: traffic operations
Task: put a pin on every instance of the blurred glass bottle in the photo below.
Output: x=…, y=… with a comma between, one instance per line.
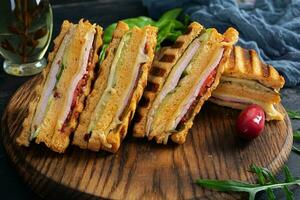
x=25, y=34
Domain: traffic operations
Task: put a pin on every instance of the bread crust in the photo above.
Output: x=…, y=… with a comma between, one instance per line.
x=231, y=37
x=225, y=41
x=60, y=140
x=246, y=64
x=23, y=138
x=241, y=90
x=114, y=137
x=118, y=134
x=161, y=68
x=275, y=115
x=81, y=136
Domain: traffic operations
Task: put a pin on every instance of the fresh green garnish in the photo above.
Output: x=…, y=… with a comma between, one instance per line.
x=297, y=135
x=169, y=28
x=58, y=75
x=296, y=150
x=34, y=134
x=294, y=114
x=266, y=182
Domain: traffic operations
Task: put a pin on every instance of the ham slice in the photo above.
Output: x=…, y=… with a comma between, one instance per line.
x=79, y=75
x=51, y=81
x=194, y=94
x=173, y=79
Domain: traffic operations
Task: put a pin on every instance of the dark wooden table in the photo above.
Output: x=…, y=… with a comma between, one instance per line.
x=103, y=12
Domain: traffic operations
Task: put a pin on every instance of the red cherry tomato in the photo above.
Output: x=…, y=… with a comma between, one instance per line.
x=250, y=122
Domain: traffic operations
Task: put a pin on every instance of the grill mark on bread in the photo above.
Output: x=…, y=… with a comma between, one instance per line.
x=177, y=44
x=251, y=53
x=138, y=117
x=153, y=87
x=246, y=56
x=157, y=71
x=162, y=65
x=122, y=131
x=144, y=102
x=189, y=30
x=167, y=58
x=232, y=58
x=257, y=70
x=265, y=70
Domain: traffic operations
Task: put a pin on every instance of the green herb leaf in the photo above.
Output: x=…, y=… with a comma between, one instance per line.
x=169, y=15
x=169, y=28
x=264, y=176
x=293, y=114
x=287, y=174
x=296, y=150
x=58, y=75
x=34, y=134
x=288, y=178
x=297, y=135
x=267, y=182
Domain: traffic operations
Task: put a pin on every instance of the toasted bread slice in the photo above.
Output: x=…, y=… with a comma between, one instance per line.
x=127, y=64
x=186, y=86
x=247, y=89
x=23, y=138
x=67, y=83
x=60, y=140
x=81, y=136
x=241, y=103
x=230, y=37
x=162, y=65
x=246, y=64
x=247, y=80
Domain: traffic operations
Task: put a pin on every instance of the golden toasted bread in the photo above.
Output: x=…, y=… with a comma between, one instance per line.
x=246, y=64
x=163, y=99
x=231, y=37
x=247, y=80
x=66, y=83
x=126, y=68
x=23, y=138
x=81, y=135
x=60, y=141
x=270, y=110
x=162, y=65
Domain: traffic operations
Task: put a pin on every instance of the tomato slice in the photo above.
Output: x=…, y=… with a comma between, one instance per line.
x=207, y=84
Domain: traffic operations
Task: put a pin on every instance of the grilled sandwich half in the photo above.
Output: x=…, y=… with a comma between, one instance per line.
x=118, y=88
x=66, y=81
x=246, y=80
x=181, y=80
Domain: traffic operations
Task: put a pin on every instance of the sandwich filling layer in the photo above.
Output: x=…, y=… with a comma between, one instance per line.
x=238, y=93
x=173, y=79
x=176, y=103
x=51, y=81
x=122, y=81
x=80, y=77
x=249, y=83
x=205, y=81
x=240, y=103
x=58, y=66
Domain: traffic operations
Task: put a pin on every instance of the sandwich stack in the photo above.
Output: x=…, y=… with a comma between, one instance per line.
x=91, y=105
x=117, y=90
x=246, y=80
x=66, y=82
x=181, y=80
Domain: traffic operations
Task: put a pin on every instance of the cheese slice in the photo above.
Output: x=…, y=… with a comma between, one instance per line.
x=239, y=102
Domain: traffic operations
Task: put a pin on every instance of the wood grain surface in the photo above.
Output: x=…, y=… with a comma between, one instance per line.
x=142, y=169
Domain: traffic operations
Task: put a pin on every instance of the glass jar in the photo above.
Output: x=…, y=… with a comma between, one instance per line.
x=25, y=34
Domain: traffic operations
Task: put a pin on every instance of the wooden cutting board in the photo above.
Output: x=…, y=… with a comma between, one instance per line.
x=142, y=169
